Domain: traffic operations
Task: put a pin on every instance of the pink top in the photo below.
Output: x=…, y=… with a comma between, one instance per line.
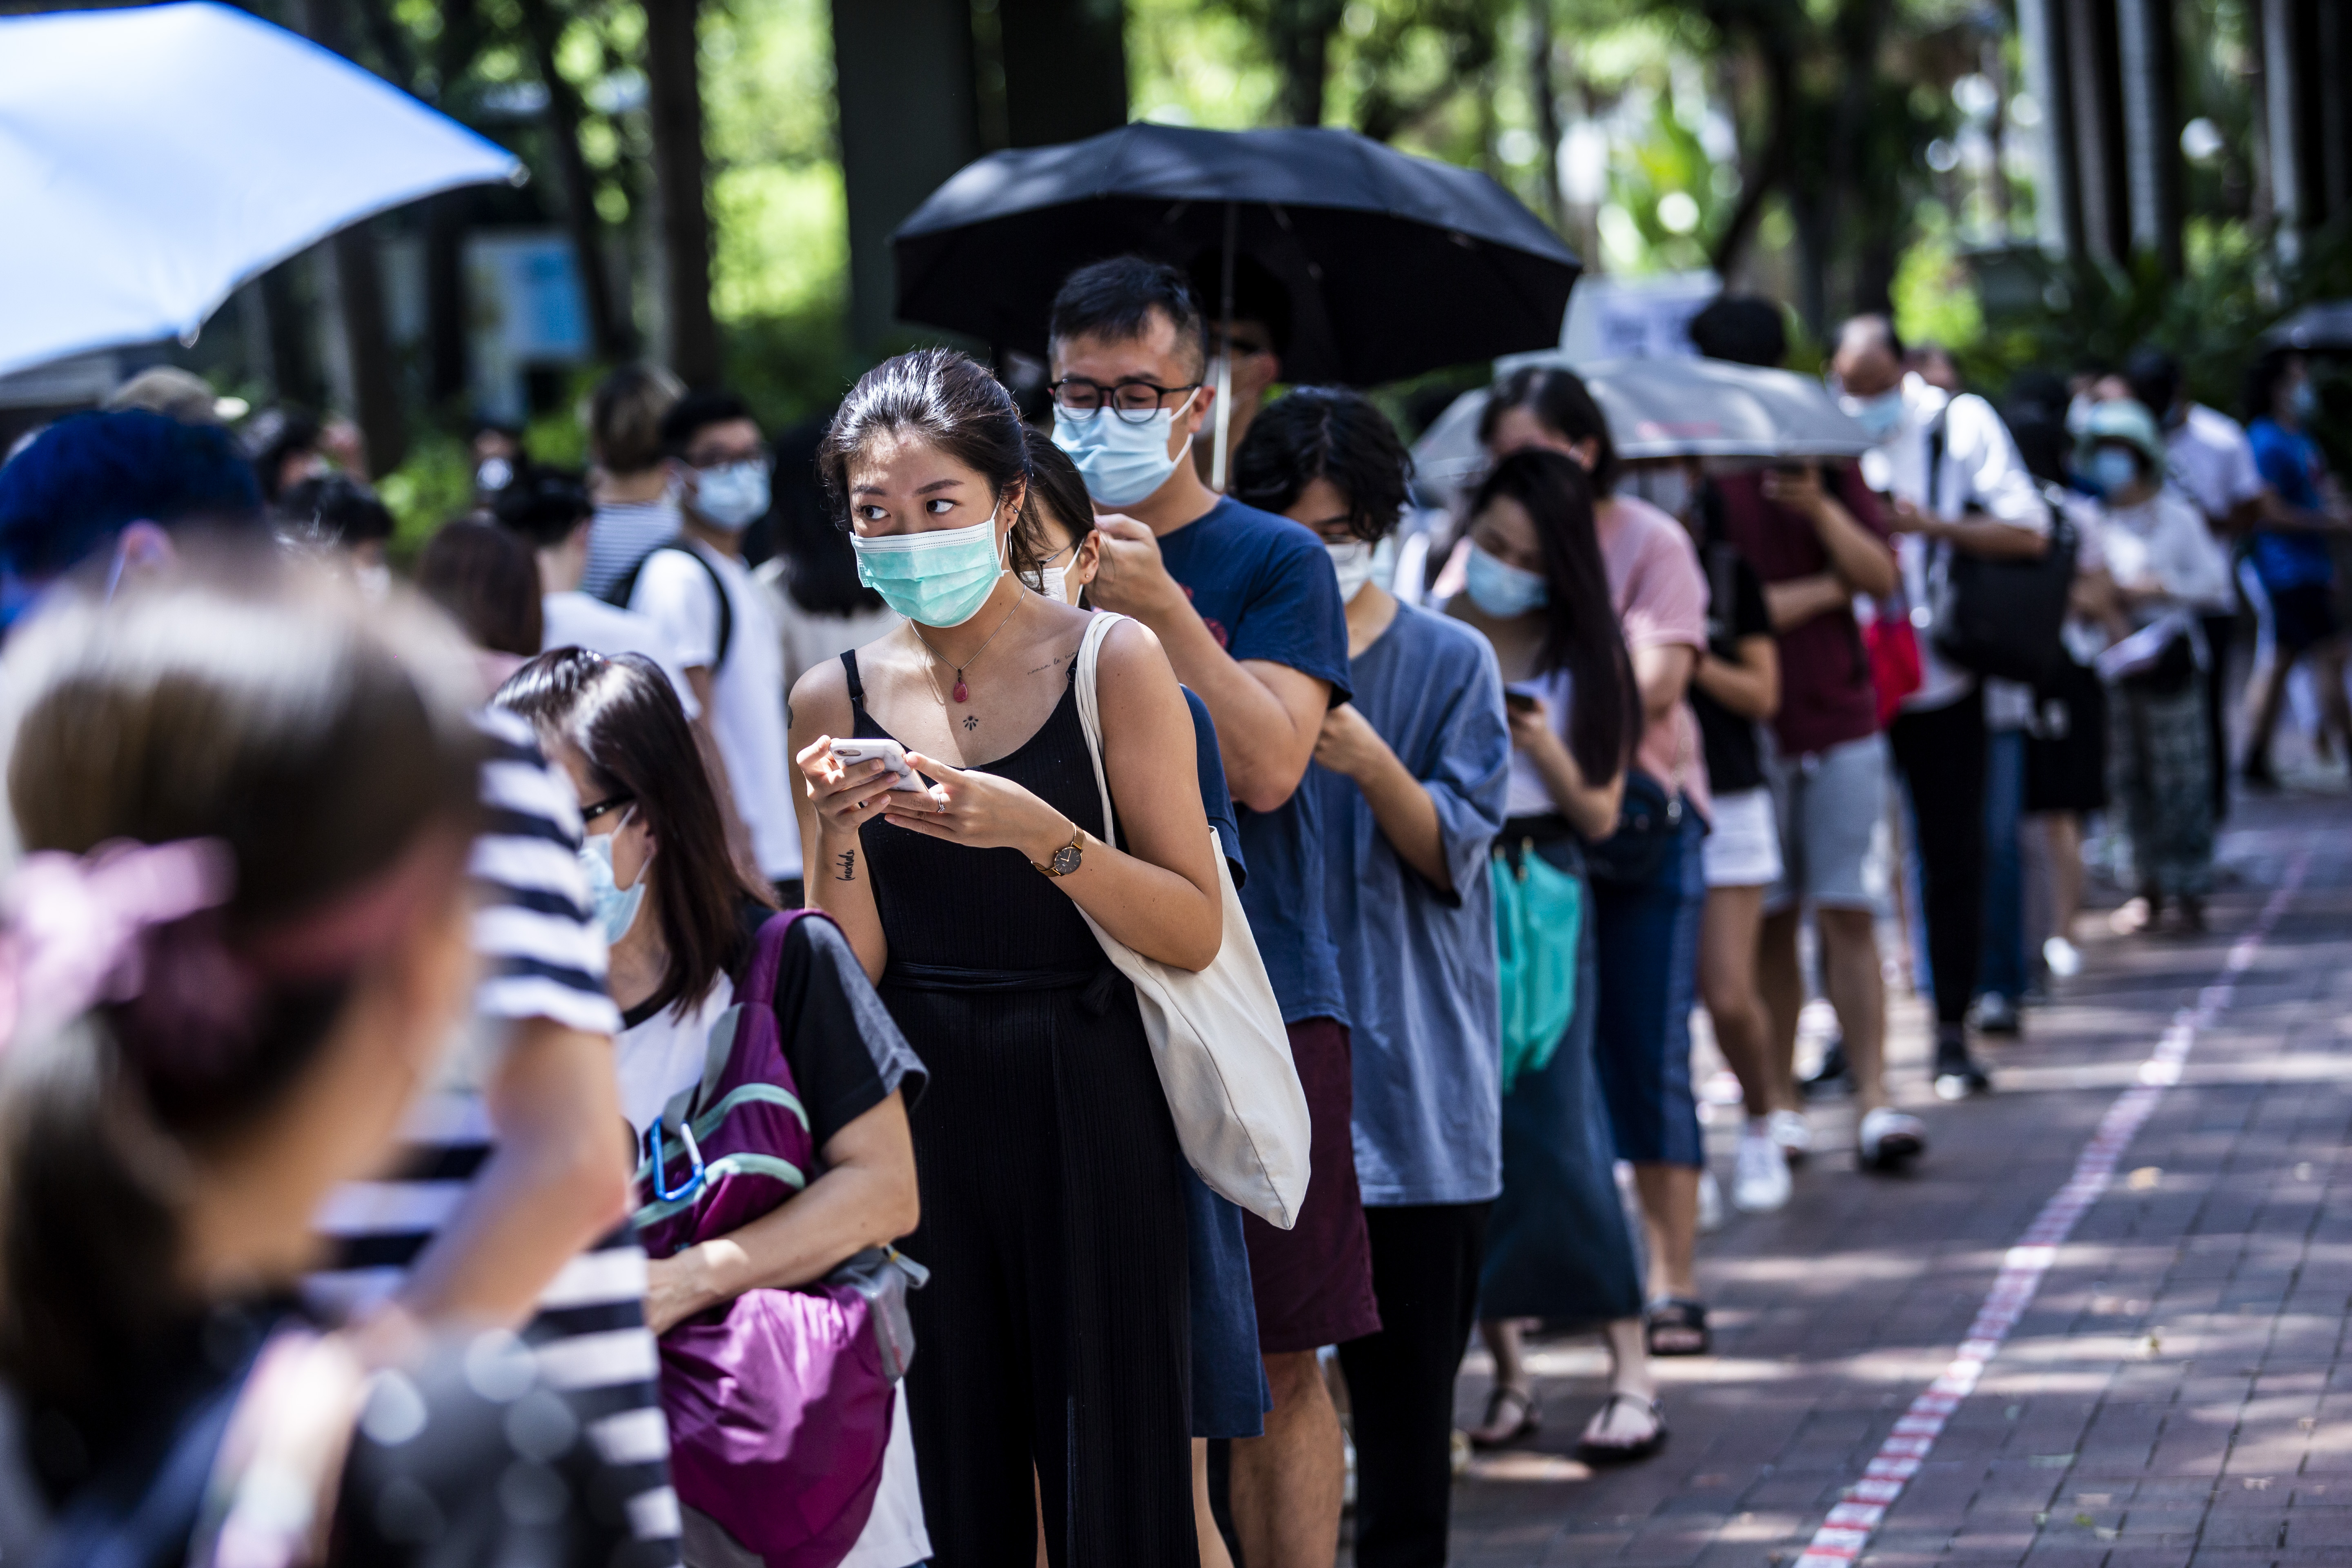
x=1660, y=592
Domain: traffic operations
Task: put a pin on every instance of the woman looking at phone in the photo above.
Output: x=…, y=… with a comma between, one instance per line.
x=1054, y=1332
x=1556, y=1245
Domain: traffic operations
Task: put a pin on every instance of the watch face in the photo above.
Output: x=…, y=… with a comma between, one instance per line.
x=1065, y=860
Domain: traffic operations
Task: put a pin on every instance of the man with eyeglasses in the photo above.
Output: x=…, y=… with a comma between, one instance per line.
x=1247, y=606
x=701, y=597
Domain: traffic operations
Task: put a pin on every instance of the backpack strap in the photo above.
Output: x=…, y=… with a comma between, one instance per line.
x=768, y=953
x=624, y=588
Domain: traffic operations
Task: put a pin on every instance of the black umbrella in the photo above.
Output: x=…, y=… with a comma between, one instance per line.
x=1395, y=265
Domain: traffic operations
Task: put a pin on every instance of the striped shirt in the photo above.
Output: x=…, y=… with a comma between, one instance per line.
x=623, y=533
x=542, y=957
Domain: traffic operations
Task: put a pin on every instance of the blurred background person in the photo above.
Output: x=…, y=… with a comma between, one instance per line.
x=822, y=610
x=1646, y=918
x=636, y=508
x=175, y=394
x=2290, y=572
x=335, y=511
x=485, y=577
x=1413, y=773
x=1816, y=537
x=1260, y=333
x=2168, y=573
x=1558, y=1247
x=549, y=509
x=272, y=955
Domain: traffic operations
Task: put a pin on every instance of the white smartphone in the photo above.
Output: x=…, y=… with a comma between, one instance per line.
x=889, y=753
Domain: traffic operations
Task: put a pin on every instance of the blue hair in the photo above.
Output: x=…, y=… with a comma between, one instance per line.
x=86, y=477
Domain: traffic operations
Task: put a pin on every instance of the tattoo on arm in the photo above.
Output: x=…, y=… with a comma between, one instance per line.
x=848, y=861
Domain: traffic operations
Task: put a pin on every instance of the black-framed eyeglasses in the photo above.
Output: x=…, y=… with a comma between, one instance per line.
x=611, y=802
x=1134, y=401
x=763, y=455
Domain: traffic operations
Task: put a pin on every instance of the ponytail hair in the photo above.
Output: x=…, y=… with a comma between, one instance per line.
x=311, y=757
x=1581, y=633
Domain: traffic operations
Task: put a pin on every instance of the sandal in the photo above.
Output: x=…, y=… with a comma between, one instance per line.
x=1676, y=1326
x=1598, y=1453
x=1493, y=1435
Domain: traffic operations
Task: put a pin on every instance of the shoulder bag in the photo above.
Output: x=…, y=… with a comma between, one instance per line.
x=2001, y=618
x=1539, y=923
x=1217, y=1037
x=1649, y=817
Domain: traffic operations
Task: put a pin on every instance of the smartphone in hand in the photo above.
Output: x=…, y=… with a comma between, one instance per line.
x=889, y=753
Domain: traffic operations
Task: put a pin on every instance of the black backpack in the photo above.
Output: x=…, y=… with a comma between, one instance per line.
x=2000, y=617
x=624, y=588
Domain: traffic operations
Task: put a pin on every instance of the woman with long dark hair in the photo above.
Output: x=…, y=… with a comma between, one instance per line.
x=1649, y=880
x=236, y=948
x=1556, y=1245
x=1055, y=1327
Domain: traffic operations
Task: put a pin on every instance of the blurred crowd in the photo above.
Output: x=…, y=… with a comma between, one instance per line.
x=944, y=992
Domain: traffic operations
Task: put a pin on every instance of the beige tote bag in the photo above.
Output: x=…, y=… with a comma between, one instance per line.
x=1216, y=1036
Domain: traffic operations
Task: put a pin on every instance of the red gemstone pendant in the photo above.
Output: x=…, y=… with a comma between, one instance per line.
x=961, y=693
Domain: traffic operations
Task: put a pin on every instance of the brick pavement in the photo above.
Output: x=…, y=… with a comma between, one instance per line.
x=2173, y=1395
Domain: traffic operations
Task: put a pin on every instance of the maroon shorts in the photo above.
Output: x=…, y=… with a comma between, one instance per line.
x=1314, y=1281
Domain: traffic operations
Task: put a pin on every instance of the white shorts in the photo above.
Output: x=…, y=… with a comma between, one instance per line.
x=1744, y=850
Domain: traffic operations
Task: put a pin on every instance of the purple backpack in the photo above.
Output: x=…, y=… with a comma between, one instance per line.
x=780, y=1400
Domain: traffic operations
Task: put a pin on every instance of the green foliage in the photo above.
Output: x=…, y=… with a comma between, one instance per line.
x=434, y=484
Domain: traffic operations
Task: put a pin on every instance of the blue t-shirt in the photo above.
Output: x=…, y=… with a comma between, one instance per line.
x=2290, y=463
x=1265, y=589
x=1419, y=964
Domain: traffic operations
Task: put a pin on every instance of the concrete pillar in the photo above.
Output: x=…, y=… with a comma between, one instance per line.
x=2093, y=71
x=909, y=118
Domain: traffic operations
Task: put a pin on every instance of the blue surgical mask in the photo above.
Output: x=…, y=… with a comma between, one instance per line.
x=1122, y=463
x=1879, y=416
x=2303, y=401
x=731, y=498
x=2111, y=469
x=1503, y=590
x=615, y=907
x=938, y=579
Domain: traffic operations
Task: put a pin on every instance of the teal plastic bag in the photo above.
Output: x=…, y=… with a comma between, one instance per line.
x=1538, y=921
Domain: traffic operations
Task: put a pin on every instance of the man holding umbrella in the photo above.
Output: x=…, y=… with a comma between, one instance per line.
x=1247, y=606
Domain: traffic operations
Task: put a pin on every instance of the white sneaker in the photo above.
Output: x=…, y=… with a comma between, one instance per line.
x=1760, y=1171
x=1886, y=1138
x=2064, y=959
x=1710, y=1204
x=1793, y=1133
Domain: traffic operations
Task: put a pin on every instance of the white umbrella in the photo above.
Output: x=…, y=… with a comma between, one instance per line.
x=1679, y=407
x=153, y=158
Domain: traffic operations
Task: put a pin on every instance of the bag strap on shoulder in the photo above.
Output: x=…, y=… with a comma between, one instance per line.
x=768, y=954
x=1090, y=708
x=624, y=588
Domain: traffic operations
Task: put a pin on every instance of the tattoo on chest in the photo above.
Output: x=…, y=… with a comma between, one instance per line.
x=847, y=862
x=971, y=720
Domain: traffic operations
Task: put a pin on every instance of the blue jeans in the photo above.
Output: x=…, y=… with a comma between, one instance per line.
x=2000, y=967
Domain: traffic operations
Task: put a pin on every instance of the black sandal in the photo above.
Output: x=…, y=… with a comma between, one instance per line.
x=1593, y=1453
x=1676, y=1326
x=1529, y=1423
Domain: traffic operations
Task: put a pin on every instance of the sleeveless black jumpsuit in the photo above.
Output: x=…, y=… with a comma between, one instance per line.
x=1054, y=1329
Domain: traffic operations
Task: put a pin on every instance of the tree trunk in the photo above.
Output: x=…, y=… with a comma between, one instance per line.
x=1756, y=185
x=1546, y=93
x=445, y=299
x=608, y=327
x=674, y=99
x=1301, y=41
x=358, y=296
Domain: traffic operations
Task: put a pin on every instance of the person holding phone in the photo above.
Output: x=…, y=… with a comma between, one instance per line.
x=1054, y=1332
x=1557, y=1244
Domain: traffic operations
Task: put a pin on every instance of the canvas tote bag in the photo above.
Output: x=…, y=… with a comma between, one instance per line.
x=1217, y=1035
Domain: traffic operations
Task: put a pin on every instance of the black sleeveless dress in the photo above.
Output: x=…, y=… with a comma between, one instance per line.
x=1055, y=1330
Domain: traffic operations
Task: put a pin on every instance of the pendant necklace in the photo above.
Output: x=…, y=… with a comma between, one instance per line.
x=962, y=692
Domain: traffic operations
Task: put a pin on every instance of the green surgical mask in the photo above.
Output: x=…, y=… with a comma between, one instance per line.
x=938, y=579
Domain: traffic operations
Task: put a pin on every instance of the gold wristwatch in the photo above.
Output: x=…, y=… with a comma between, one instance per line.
x=1065, y=860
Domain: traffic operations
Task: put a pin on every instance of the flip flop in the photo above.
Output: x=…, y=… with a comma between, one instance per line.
x=1529, y=1423
x=1680, y=1317
x=1593, y=1453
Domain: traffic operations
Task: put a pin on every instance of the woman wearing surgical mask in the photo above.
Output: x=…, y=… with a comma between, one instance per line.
x=2166, y=571
x=682, y=921
x=1558, y=1246
x=1648, y=906
x=1055, y=1327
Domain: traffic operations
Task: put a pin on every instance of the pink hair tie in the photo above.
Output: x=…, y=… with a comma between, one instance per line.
x=70, y=926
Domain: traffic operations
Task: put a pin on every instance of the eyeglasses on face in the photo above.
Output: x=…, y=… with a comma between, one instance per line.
x=1134, y=401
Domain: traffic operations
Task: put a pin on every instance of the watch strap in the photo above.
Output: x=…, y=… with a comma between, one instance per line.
x=1077, y=842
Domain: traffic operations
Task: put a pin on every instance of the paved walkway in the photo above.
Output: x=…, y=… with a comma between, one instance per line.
x=2172, y=1393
